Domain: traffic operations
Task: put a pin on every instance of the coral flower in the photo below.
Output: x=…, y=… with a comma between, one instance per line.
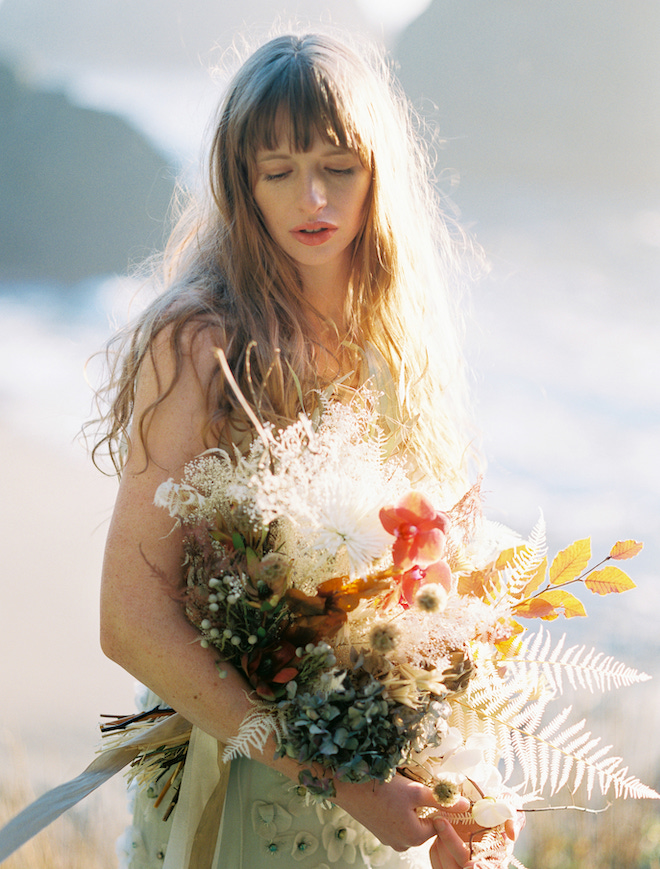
x=419, y=530
x=412, y=580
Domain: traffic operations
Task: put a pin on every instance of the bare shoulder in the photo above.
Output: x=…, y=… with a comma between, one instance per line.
x=186, y=350
x=171, y=411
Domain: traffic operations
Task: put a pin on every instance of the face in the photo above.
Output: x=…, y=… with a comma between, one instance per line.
x=313, y=204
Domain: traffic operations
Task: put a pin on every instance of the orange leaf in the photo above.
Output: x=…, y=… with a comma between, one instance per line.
x=285, y=675
x=565, y=601
x=476, y=582
x=609, y=579
x=535, y=608
x=504, y=558
x=537, y=580
x=504, y=646
x=570, y=562
x=625, y=549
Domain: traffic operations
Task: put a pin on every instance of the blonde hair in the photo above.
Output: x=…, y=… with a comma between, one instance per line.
x=223, y=271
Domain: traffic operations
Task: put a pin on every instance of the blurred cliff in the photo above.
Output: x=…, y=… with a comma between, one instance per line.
x=84, y=192
x=563, y=96
x=81, y=193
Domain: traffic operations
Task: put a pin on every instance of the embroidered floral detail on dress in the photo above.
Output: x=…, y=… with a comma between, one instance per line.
x=277, y=846
x=269, y=819
x=374, y=853
x=339, y=836
x=304, y=845
x=297, y=800
x=131, y=850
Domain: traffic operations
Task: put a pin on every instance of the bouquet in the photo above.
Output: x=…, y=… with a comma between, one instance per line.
x=379, y=634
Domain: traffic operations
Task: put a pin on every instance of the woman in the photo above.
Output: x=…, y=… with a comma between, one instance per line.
x=318, y=261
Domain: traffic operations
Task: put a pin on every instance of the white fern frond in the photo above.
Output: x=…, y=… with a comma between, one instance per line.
x=494, y=850
x=254, y=731
x=552, y=754
x=526, y=562
x=590, y=671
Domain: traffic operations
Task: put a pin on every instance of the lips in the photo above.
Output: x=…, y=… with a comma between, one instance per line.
x=314, y=233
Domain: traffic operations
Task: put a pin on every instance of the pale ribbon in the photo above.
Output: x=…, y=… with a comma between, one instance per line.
x=198, y=813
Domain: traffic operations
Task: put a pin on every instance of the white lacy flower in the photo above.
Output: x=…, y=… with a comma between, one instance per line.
x=179, y=499
x=489, y=812
x=339, y=843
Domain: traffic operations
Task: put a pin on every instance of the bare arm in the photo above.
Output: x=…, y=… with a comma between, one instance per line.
x=143, y=626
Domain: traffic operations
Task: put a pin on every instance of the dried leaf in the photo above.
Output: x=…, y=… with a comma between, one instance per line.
x=609, y=580
x=564, y=600
x=476, y=583
x=537, y=580
x=570, y=562
x=535, y=608
x=504, y=647
x=505, y=558
x=625, y=549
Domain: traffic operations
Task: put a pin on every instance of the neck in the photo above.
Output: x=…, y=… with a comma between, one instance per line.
x=325, y=288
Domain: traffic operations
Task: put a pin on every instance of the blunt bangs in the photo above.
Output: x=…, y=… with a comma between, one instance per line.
x=295, y=98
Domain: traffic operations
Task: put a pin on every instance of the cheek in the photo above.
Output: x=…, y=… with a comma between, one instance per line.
x=267, y=207
x=366, y=191
x=362, y=202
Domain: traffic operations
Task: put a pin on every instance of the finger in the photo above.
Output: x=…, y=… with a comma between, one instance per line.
x=428, y=800
x=461, y=805
x=451, y=842
x=428, y=828
x=441, y=858
x=513, y=827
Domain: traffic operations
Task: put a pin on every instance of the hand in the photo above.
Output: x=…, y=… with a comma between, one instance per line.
x=388, y=810
x=450, y=851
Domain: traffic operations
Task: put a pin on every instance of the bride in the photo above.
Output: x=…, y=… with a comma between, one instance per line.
x=316, y=260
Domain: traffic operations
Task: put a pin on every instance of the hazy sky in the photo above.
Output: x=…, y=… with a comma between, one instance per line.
x=391, y=14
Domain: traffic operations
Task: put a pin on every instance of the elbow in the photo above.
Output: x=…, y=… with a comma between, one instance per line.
x=109, y=644
x=115, y=635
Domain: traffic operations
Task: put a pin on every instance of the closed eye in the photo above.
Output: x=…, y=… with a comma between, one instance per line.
x=276, y=176
x=349, y=171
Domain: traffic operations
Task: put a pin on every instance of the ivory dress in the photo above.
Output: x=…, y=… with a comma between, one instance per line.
x=266, y=823
x=266, y=820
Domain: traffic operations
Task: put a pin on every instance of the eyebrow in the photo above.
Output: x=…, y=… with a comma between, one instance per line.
x=285, y=155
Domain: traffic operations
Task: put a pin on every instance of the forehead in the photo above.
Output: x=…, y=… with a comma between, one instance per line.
x=296, y=132
x=284, y=145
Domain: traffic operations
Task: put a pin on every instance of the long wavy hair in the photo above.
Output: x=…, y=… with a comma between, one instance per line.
x=222, y=271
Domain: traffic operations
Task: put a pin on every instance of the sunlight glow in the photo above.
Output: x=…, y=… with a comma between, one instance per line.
x=392, y=15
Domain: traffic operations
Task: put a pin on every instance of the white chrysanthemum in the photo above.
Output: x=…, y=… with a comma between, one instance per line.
x=345, y=515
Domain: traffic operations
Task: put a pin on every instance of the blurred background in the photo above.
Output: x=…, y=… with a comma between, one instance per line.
x=547, y=131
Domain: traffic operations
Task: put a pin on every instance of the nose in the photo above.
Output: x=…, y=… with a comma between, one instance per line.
x=313, y=194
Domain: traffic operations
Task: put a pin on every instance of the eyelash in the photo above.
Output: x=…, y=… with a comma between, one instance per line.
x=280, y=175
